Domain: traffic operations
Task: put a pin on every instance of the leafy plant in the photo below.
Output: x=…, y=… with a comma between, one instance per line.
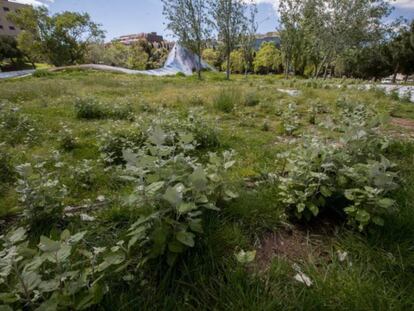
x=226, y=100
x=317, y=176
x=172, y=192
x=251, y=99
x=57, y=274
x=113, y=143
x=41, y=196
x=7, y=173
x=16, y=128
x=66, y=139
x=290, y=120
x=90, y=108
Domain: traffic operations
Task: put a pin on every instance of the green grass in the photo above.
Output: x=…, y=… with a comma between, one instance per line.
x=378, y=273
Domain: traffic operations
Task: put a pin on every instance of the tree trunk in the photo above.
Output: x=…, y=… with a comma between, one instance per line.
x=394, y=77
x=199, y=62
x=325, y=74
x=406, y=78
x=228, y=66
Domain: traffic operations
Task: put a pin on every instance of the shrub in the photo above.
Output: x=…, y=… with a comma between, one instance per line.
x=172, y=205
x=290, y=120
x=251, y=99
x=40, y=73
x=59, y=274
x=41, y=196
x=89, y=108
x=7, y=173
x=83, y=175
x=196, y=100
x=16, y=128
x=206, y=137
x=226, y=100
x=66, y=139
x=113, y=143
x=350, y=177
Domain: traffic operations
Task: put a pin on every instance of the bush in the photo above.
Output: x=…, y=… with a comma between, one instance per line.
x=16, y=128
x=207, y=137
x=42, y=73
x=66, y=139
x=161, y=196
x=91, y=108
x=41, y=196
x=351, y=177
x=7, y=173
x=226, y=100
x=113, y=143
x=251, y=99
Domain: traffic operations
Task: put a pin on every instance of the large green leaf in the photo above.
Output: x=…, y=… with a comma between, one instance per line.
x=187, y=238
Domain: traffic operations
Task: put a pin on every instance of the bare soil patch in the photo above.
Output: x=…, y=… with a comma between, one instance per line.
x=405, y=123
x=295, y=245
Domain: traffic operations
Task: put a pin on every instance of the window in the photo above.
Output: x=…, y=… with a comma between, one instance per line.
x=6, y=9
x=12, y=28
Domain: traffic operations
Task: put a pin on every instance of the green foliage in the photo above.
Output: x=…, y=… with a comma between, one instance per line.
x=290, y=120
x=268, y=59
x=41, y=195
x=67, y=141
x=7, y=173
x=226, y=100
x=57, y=274
x=212, y=57
x=62, y=38
x=16, y=128
x=351, y=177
x=91, y=109
x=237, y=64
x=9, y=50
x=113, y=143
x=251, y=99
x=172, y=192
x=42, y=73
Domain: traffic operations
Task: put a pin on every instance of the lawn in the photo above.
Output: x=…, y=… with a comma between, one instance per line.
x=255, y=232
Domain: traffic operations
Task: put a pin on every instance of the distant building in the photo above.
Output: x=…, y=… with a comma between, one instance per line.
x=269, y=37
x=151, y=37
x=6, y=27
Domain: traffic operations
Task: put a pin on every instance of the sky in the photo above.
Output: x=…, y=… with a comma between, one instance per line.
x=122, y=17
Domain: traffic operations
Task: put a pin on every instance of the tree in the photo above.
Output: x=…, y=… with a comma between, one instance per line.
x=230, y=22
x=62, y=38
x=188, y=20
x=237, y=64
x=248, y=39
x=9, y=50
x=319, y=31
x=212, y=57
x=268, y=58
x=137, y=57
x=116, y=54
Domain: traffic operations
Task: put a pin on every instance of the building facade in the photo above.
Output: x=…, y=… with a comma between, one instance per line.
x=6, y=27
x=272, y=37
x=151, y=37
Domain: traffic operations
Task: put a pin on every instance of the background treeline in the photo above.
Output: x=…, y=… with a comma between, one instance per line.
x=344, y=38
x=319, y=38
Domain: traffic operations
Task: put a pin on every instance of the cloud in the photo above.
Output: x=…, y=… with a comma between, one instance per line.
x=406, y=4
x=274, y=3
x=34, y=2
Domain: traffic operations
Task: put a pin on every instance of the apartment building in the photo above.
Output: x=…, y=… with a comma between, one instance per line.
x=151, y=37
x=6, y=27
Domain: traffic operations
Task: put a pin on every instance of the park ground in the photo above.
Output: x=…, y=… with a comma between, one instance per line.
x=348, y=269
